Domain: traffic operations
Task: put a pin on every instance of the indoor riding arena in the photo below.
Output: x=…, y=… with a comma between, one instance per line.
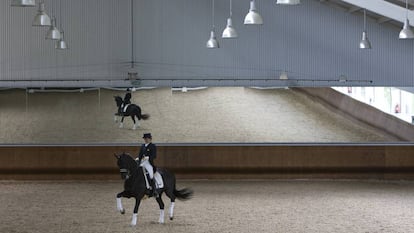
x=233, y=116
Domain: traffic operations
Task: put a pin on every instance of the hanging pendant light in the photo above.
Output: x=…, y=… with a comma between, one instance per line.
x=229, y=32
x=283, y=76
x=53, y=33
x=41, y=19
x=23, y=3
x=253, y=17
x=288, y=2
x=406, y=32
x=365, y=43
x=212, y=43
x=61, y=43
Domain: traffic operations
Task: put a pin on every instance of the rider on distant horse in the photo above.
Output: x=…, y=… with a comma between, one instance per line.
x=126, y=102
x=148, y=152
x=127, y=98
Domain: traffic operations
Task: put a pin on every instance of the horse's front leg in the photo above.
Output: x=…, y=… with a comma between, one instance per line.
x=121, y=125
x=119, y=206
x=135, y=214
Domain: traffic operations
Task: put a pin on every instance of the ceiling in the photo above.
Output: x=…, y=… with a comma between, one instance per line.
x=381, y=19
x=315, y=43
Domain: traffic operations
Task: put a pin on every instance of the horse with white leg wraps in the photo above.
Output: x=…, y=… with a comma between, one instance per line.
x=125, y=108
x=136, y=186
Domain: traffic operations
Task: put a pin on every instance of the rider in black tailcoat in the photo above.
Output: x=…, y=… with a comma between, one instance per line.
x=127, y=98
x=149, y=151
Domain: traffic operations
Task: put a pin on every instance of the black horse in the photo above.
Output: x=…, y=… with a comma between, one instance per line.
x=125, y=108
x=135, y=186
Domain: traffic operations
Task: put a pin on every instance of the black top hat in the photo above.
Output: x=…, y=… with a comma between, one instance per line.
x=147, y=135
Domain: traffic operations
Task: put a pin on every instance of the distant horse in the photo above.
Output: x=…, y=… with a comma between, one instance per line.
x=135, y=186
x=125, y=108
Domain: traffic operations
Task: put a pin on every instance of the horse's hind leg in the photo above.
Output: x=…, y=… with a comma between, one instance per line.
x=171, y=195
x=161, y=204
x=121, y=125
x=133, y=119
x=138, y=114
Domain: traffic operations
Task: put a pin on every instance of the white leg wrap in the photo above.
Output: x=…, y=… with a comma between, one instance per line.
x=134, y=219
x=172, y=210
x=134, y=127
x=121, y=125
x=119, y=204
x=161, y=220
x=115, y=118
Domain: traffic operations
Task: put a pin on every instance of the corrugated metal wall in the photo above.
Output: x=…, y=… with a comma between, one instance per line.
x=97, y=33
x=311, y=41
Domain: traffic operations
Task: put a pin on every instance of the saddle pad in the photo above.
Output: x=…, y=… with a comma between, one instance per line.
x=125, y=107
x=158, y=180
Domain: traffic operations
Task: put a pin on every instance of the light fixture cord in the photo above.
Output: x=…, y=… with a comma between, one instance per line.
x=212, y=13
x=132, y=35
x=406, y=7
x=365, y=20
x=61, y=17
x=231, y=9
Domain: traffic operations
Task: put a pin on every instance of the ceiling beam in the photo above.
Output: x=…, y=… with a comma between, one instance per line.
x=354, y=9
x=383, y=20
x=384, y=8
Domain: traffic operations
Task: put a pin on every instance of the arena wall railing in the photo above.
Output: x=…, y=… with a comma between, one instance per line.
x=215, y=161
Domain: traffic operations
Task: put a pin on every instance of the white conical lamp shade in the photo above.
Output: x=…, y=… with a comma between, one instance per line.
x=288, y=2
x=41, y=19
x=61, y=43
x=229, y=32
x=253, y=17
x=53, y=33
x=406, y=32
x=365, y=43
x=23, y=3
x=212, y=43
x=283, y=76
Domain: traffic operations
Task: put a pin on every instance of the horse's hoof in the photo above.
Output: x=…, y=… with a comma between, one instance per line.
x=171, y=218
x=122, y=211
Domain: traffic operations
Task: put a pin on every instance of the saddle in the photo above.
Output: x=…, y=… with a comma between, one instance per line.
x=159, y=183
x=124, y=108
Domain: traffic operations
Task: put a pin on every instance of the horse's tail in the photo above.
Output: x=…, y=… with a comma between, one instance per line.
x=145, y=116
x=183, y=194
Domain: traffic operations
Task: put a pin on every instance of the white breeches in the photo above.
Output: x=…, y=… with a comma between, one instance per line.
x=148, y=167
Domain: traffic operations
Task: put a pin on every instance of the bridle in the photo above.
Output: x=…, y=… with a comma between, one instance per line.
x=123, y=171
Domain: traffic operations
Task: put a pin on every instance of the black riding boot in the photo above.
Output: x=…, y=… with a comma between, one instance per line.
x=154, y=188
